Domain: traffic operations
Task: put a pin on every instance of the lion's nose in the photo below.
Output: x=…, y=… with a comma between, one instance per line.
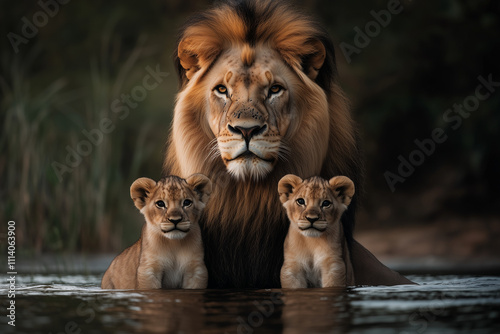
x=175, y=220
x=249, y=132
x=312, y=219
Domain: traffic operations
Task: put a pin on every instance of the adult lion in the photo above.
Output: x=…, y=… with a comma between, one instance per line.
x=259, y=99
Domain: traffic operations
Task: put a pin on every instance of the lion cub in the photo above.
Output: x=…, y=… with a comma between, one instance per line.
x=169, y=253
x=315, y=246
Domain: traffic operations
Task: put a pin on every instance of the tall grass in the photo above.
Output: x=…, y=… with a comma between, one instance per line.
x=24, y=162
x=89, y=209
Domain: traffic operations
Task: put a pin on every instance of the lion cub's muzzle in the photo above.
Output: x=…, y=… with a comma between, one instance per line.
x=175, y=224
x=314, y=223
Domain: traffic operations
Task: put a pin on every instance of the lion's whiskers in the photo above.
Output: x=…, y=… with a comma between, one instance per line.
x=284, y=152
x=213, y=151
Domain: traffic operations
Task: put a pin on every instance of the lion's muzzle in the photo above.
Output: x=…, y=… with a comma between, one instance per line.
x=247, y=132
x=249, y=149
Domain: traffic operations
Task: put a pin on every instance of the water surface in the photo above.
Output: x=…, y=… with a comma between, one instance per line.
x=76, y=304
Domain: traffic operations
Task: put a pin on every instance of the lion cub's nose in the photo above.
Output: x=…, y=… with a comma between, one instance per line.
x=175, y=220
x=312, y=219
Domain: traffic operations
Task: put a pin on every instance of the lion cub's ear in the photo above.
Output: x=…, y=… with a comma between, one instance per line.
x=201, y=185
x=287, y=185
x=140, y=190
x=343, y=188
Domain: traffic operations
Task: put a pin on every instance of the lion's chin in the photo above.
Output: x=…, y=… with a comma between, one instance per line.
x=249, y=168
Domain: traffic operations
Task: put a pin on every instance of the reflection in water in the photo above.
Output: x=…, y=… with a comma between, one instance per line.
x=159, y=311
x=314, y=310
x=76, y=304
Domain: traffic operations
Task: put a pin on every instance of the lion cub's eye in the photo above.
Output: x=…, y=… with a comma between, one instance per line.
x=221, y=89
x=301, y=201
x=275, y=89
x=326, y=204
x=160, y=204
x=187, y=202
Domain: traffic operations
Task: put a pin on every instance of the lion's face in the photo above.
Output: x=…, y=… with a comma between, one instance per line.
x=315, y=205
x=172, y=205
x=250, y=91
x=249, y=111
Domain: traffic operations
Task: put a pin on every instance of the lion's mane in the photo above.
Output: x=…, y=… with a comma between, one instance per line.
x=244, y=224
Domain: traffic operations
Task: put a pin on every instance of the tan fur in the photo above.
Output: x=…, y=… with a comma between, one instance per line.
x=247, y=55
x=315, y=244
x=306, y=129
x=169, y=253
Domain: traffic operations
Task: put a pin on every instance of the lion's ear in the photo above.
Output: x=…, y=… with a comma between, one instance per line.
x=197, y=49
x=140, y=190
x=343, y=188
x=201, y=185
x=287, y=185
x=307, y=54
x=187, y=58
x=314, y=58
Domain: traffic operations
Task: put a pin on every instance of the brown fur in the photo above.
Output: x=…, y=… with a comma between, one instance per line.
x=248, y=46
x=169, y=253
x=315, y=244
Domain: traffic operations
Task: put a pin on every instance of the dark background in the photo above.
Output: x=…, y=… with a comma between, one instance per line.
x=65, y=78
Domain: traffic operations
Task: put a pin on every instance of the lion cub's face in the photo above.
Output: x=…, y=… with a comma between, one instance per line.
x=315, y=205
x=172, y=204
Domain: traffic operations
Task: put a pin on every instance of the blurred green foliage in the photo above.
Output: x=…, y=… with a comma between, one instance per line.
x=65, y=79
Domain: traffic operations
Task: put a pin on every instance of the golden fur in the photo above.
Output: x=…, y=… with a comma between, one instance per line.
x=169, y=253
x=315, y=244
x=229, y=123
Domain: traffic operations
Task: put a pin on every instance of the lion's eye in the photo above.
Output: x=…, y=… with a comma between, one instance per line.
x=160, y=204
x=187, y=202
x=275, y=89
x=301, y=201
x=221, y=89
x=326, y=204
